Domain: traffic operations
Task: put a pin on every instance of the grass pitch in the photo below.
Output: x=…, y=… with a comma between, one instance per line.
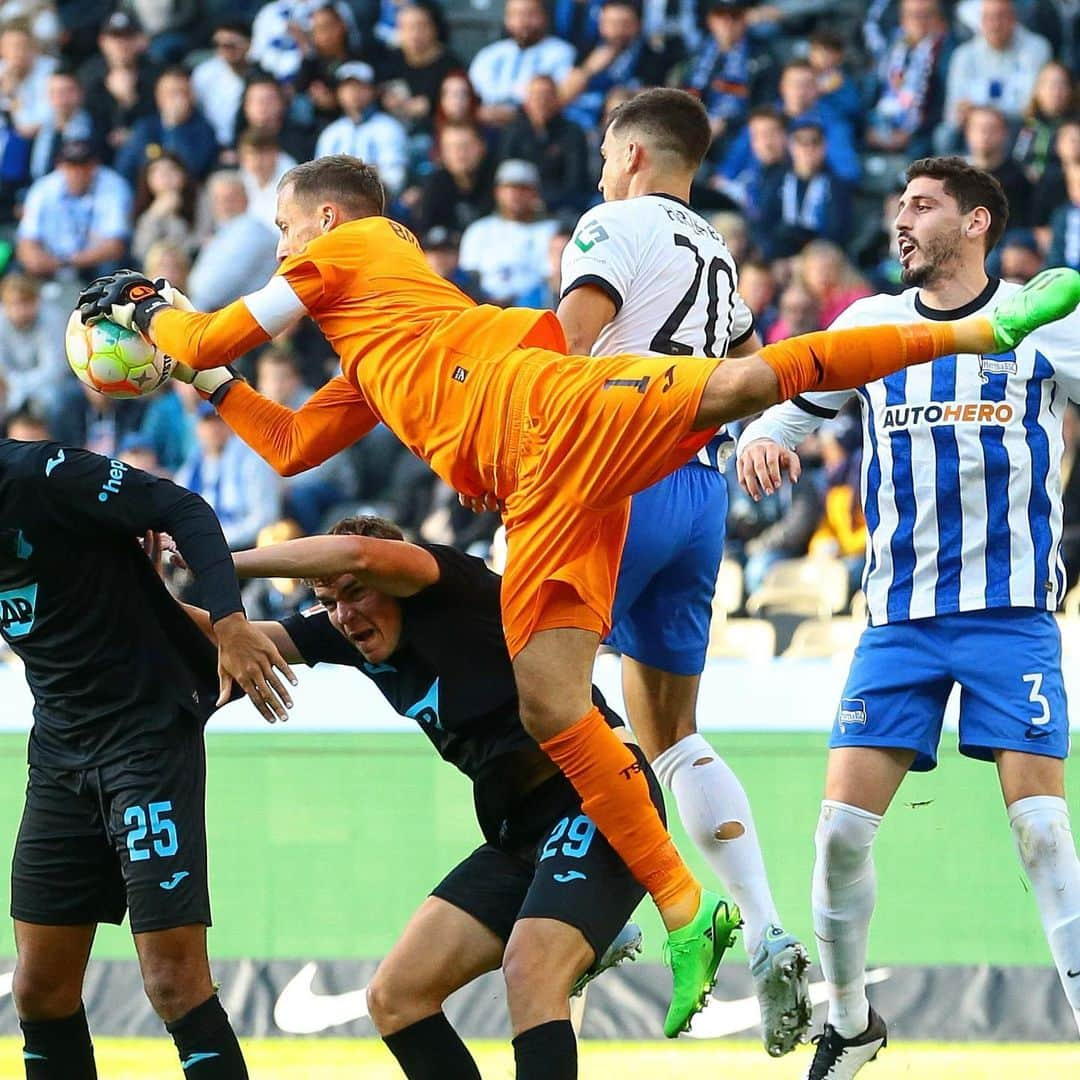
x=336, y=1059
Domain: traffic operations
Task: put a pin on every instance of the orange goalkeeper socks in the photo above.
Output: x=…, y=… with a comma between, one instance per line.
x=841, y=359
x=615, y=795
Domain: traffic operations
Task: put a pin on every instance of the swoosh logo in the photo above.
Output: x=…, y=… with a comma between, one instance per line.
x=570, y=875
x=720, y=1018
x=301, y=1011
x=53, y=462
x=176, y=879
x=195, y=1059
x=1072, y=974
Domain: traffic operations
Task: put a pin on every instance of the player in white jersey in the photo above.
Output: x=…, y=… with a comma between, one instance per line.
x=962, y=495
x=646, y=274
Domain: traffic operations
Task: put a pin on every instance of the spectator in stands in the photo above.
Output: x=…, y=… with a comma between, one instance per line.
x=413, y=72
x=171, y=25
x=797, y=313
x=93, y=421
x=32, y=364
x=280, y=33
x=986, y=138
x=1059, y=22
x=1053, y=99
x=509, y=249
x=1065, y=223
x=240, y=254
x=501, y=71
x=621, y=57
x=120, y=79
x=732, y=226
x=1020, y=257
x=308, y=495
x=137, y=450
x=364, y=130
x=461, y=190
x=76, y=219
x=14, y=168
x=66, y=118
x=24, y=77
x=731, y=73
x=839, y=93
x=910, y=82
x=328, y=46
x=540, y=133
x=460, y=104
x=218, y=81
x=164, y=206
x=799, y=100
x=165, y=259
x=244, y=492
x=751, y=180
x=809, y=202
x=548, y=293
x=1050, y=191
x=576, y=21
x=830, y=279
x=177, y=126
x=841, y=531
x=27, y=424
x=265, y=105
x=441, y=247
x=998, y=67
x=758, y=287
x=262, y=164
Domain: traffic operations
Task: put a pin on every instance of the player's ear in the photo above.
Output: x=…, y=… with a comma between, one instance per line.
x=327, y=217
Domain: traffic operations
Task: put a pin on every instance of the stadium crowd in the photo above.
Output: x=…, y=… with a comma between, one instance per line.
x=152, y=133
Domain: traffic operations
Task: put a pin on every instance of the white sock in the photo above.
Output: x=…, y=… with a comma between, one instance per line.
x=708, y=795
x=843, y=897
x=1044, y=842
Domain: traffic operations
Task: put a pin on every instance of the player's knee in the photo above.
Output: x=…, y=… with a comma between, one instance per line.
x=174, y=988
x=395, y=1002
x=541, y=963
x=38, y=996
x=844, y=835
x=1041, y=834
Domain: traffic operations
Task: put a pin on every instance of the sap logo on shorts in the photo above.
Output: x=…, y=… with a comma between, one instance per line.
x=852, y=713
x=960, y=412
x=996, y=365
x=111, y=486
x=17, y=610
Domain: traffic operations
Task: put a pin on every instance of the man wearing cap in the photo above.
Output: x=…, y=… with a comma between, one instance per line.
x=76, y=219
x=441, y=247
x=730, y=72
x=508, y=249
x=364, y=130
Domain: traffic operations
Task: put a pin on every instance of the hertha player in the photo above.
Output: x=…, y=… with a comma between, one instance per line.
x=123, y=683
x=545, y=895
x=961, y=488
x=489, y=399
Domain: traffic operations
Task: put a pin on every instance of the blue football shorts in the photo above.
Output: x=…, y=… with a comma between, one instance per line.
x=1007, y=662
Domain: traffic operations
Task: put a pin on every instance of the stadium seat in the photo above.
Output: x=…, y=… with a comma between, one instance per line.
x=746, y=639
x=728, y=597
x=812, y=586
x=824, y=637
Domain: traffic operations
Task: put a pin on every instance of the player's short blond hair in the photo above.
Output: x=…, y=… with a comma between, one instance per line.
x=339, y=178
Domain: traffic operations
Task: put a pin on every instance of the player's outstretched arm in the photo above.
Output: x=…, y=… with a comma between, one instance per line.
x=278, y=635
x=391, y=566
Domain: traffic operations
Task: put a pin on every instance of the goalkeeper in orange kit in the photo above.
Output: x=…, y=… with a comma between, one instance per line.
x=487, y=397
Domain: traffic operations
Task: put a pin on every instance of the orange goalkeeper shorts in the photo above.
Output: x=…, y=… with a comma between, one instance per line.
x=582, y=434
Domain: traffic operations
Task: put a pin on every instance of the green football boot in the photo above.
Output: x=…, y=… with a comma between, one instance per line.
x=694, y=953
x=1050, y=295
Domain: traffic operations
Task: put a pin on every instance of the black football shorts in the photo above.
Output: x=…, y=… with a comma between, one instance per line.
x=551, y=862
x=126, y=836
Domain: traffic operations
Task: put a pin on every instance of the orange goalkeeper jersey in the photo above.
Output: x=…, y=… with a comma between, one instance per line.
x=415, y=353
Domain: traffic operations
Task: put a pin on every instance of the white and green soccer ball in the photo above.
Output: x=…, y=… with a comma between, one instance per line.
x=116, y=362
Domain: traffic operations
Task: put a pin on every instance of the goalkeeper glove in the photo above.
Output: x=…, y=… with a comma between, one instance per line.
x=126, y=297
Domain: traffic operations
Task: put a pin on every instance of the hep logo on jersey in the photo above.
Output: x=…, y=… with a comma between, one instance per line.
x=17, y=608
x=111, y=486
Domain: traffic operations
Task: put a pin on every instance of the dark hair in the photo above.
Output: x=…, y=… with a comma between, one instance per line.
x=435, y=13
x=345, y=179
x=969, y=186
x=188, y=193
x=829, y=39
x=674, y=121
x=767, y=112
x=366, y=525
x=278, y=353
x=173, y=72
x=258, y=138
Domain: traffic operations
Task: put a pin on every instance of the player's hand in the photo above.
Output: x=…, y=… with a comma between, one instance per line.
x=761, y=466
x=173, y=295
x=205, y=382
x=247, y=656
x=478, y=504
x=126, y=297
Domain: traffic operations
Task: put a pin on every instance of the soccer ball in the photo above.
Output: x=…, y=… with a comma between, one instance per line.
x=116, y=362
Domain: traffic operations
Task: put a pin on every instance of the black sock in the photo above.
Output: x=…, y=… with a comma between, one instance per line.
x=431, y=1049
x=207, y=1044
x=58, y=1049
x=546, y=1052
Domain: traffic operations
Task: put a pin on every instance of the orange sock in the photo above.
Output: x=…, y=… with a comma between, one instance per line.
x=615, y=795
x=841, y=359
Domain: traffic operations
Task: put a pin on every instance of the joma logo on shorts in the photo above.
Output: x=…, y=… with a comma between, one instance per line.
x=17, y=610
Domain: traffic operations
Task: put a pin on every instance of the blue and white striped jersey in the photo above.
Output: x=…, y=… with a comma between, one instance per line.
x=961, y=480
